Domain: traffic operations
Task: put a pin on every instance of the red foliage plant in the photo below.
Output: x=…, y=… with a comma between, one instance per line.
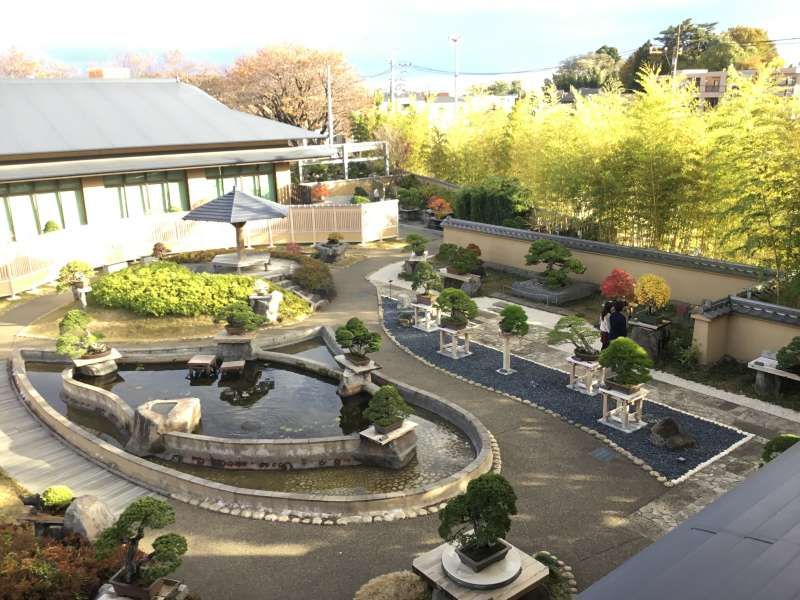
x=618, y=285
x=319, y=192
x=440, y=207
x=474, y=248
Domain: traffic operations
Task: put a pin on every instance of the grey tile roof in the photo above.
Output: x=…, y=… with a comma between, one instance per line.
x=751, y=308
x=744, y=546
x=237, y=207
x=81, y=115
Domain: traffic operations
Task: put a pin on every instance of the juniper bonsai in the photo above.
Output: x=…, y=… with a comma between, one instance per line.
x=387, y=407
x=75, y=339
x=514, y=320
x=789, y=356
x=240, y=314
x=558, y=260
x=575, y=330
x=416, y=243
x=355, y=336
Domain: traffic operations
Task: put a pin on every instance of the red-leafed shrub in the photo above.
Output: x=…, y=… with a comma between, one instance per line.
x=319, y=192
x=474, y=248
x=618, y=285
x=440, y=207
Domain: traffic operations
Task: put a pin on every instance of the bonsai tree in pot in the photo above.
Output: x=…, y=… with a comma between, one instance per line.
x=360, y=341
x=579, y=333
x=160, y=250
x=463, y=261
x=478, y=520
x=789, y=356
x=74, y=338
x=74, y=274
x=50, y=227
x=387, y=409
x=618, y=285
x=629, y=362
x=513, y=321
x=139, y=573
x=652, y=296
x=239, y=318
x=558, y=260
x=334, y=238
x=319, y=192
x=439, y=207
x=427, y=278
x=458, y=307
x=416, y=244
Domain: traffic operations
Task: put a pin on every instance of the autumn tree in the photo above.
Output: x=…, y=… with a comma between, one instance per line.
x=288, y=84
x=15, y=64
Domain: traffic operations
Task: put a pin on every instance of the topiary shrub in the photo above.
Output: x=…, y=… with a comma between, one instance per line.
x=313, y=276
x=628, y=360
x=400, y=585
x=778, y=445
x=240, y=316
x=74, y=272
x=577, y=331
x=514, y=320
x=56, y=498
x=789, y=356
x=558, y=260
x=618, y=285
x=477, y=519
x=459, y=307
x=355, y=336
x=50, y=227
x=142, y=514
x=387, y=407
x=652, y=292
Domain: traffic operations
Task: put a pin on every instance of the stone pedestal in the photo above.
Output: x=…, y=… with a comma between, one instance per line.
x=468, y=283
x=653, y=338
x=99, y=366
x=393, y=450
x=234, y=347
x=157, y=417
x=330, y=252
x=768, y=376
x=354, y=377
x=412, y=262
x=506, y=368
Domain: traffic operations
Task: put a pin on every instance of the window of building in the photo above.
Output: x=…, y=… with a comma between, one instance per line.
x=153, y=193
x=258, y=180
x=25, y=208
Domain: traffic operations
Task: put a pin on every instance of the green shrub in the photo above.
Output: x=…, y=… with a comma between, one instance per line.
x=558, y=260
x=628, y=360
x=482, y=515
x=407, y=181
x=314, y=276
x=73, y=272
x=240, y=314
x=447, y=252
x=74, y=338
x=355, y=336
x=72, y=319
x=465, y=260
x=50, y=227
x=387, y=407
x=56, y=498
x=360, y=200
x=410, y=198
x=198, y=256
x=457, y=305
x=514, y=320
x=777, y=445
x=789, y=356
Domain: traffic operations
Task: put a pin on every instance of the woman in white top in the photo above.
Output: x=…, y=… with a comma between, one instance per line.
x=605, y=323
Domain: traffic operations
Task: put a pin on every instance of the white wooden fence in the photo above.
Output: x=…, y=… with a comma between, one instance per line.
x=30, y=263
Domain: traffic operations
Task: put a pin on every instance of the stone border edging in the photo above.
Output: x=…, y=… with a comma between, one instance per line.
x=601, y=437
x=98, y=400
x=250, y=503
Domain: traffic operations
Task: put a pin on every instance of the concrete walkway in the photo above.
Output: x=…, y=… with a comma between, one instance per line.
x=24, y=313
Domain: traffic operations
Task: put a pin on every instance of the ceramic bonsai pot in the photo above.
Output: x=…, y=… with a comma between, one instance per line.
x=621, y=387
x=477, y=559
x=235, y=329
x=102, y=354
x=358, y=359
x=586, y=356
x=451, y=323
x=389, y=428
x=129, y=590
x=423, y=299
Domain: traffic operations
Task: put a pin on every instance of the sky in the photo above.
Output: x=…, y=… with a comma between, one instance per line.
x=495, y=35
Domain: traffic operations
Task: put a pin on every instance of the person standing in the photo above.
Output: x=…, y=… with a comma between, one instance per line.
x=605, y=325
x=617, y=323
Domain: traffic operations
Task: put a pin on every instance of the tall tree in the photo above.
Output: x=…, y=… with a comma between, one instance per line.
x=757, y=49
x=15, y=64
x=694, y=40
x=609, y=51
x=591, y=70
x=641, y=59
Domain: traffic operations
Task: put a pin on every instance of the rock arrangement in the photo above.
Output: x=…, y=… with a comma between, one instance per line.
x=562, y=570
x=667, y=433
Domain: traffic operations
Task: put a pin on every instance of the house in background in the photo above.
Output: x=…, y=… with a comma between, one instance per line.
x=712, y=85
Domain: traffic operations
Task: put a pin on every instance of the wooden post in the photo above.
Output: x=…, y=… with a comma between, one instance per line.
x=239, y=238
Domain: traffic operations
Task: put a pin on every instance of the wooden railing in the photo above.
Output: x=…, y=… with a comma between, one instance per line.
x=30, y=263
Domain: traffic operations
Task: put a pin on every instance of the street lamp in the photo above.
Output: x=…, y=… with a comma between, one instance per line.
x=455, y=38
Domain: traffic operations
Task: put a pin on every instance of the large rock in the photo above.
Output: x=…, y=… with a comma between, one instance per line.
x=667, y=433
x=151, y=422
x=184, y=417
x=88, y=516
x=274, y=306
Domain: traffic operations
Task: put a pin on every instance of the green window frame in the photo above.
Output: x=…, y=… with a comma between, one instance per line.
x=31, y=189
x=219, y=174
x=125, y=181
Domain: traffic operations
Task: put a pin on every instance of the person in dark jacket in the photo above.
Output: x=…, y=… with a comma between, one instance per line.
x=617, y=323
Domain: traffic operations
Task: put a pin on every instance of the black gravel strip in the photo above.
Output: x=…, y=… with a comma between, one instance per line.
x=547, y=388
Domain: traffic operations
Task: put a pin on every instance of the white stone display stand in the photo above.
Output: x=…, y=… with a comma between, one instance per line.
x=238, y=261
x=452, y=347
x=85, y=362
x=621, y=417
x=589, y=382
x=442, y=568
x=99, y=365
x=506, y=368
x=354, y=377
x=430, y=317
x=768, y=375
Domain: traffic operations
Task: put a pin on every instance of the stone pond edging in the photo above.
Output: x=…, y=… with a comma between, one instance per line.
x=98, y=400
x=262, y=504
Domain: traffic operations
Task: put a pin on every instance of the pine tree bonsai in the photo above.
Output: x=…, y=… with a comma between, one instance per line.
x=629, y=362
x=513, y=321
x=387, y=409
x=416, y=243
x=558, y=260
x=579, y=333
x=240, y=318
x=464, y=261
x=426, y=278
x=459, y=307
x=477, y=520
x=137, y=571
x=789, y=356
x=355, y=336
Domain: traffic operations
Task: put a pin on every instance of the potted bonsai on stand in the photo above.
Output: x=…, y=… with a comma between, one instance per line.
x=333, y=247
x=649, y=326
x=76, y=341
x=239, y=318
x=360, y=341
x=579, y=333
x=426, y=278
x=629, y=363
x=513, y=321
x=558, y=261
x=477, y=521
x=75, y=276
x=141, y=575
x=387, y=409
x=440, y=209
x=458, y=307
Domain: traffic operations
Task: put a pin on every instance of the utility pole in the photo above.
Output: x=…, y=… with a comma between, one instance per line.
x=676, y=51
x=330, y=103
x=455, y=39
x=391, y=82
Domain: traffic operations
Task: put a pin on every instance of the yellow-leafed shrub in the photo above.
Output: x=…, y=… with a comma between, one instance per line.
x=652, y=291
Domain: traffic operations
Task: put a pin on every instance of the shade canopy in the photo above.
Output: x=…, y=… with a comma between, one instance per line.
x=237, y=207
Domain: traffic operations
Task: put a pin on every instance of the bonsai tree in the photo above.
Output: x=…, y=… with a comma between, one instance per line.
x=386, y=408
x=476, y=520
x=140, y=515
x=789, y=356
x=558, y=260
x=416, y=243
x=474, y=248
x=319, y=192
x=439, y=207
x=75, y=272
x=410, y=198
x=778, y=445
x=460, y=307
x=577, y=331
x=652, y=292
x=335, y=238
x=629, y=362
x=240, y=316
x=56, y=498
x=464, y=261
x=618, y=285
x=74, y=338
x=427, y=278
x=50, y=227
x=513, y=321
x=355, y=336
x=447, y=252
x=159, y=250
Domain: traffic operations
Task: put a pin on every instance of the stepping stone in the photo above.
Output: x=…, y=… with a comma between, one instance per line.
x=232, y=366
